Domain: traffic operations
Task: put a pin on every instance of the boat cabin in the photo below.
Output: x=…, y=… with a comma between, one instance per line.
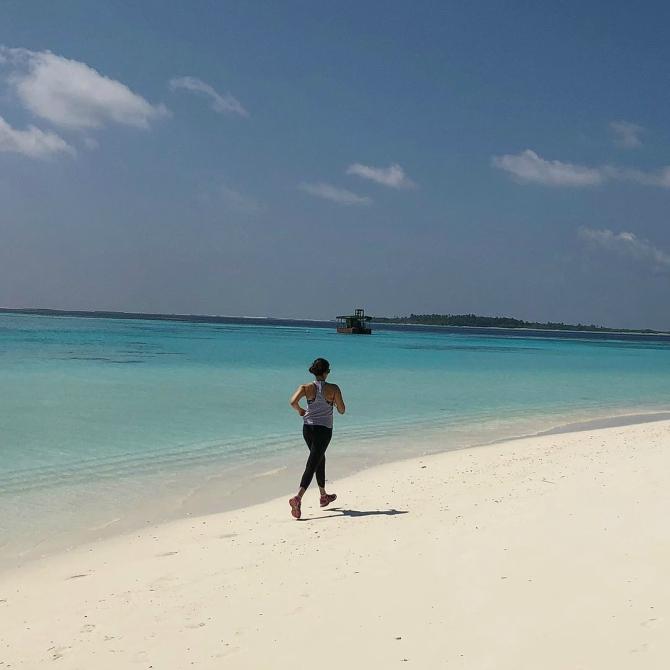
x=354, y=324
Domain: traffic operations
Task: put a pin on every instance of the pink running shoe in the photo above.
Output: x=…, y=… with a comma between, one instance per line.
x=295, y=506
x=327, y=499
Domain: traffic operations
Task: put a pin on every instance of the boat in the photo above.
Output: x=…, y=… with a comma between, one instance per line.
x=354, y=324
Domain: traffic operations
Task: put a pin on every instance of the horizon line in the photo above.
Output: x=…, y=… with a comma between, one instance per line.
x=166, y=316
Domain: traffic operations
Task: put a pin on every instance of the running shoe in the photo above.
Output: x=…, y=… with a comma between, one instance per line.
x=327, y=499
x=295, y=506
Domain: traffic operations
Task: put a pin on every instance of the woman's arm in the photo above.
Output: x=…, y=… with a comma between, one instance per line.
x=339, y=402
x=295, y=400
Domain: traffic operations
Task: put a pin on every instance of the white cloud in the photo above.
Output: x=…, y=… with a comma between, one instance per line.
x=225, y=103
x=529, y=167
x=32, y=142
x=70, y=94
x=628, y=244
x=627, y=135
x=393, y=176
x=338, y=195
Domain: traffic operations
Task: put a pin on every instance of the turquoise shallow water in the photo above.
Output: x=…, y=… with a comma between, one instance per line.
x=101, y=403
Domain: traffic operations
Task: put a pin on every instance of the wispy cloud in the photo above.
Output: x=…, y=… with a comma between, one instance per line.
x=628, y=244
x=627, y=135
x=71, y=94
x=224, y=104
x=529, y=167
x=91, y=143
x=393, y=176
x=660, y=178
x=32, y=142
x=339, y=195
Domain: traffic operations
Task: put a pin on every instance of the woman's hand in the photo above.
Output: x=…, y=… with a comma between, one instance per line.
x=301, y=411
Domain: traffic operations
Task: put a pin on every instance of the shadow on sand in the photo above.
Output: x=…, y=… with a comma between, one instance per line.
x=354, y=512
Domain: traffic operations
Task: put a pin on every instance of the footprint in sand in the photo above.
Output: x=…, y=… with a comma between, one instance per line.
x=57, y=652
x=649, y=622
x=164, y=582
x=231, y=649
x=87, y=628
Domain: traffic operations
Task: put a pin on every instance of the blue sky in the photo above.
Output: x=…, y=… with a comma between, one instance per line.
x=301, y=158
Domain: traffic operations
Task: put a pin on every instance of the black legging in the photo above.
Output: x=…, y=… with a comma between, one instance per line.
x=317, y=439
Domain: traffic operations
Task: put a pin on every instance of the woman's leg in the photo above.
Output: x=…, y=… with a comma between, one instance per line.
x=317, y=439
x=323, y=439
x=321, y=475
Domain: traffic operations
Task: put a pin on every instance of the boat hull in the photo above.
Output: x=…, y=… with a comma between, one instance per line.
x=354, y=331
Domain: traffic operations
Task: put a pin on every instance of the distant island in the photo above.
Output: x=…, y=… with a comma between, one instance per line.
x=475, y=321
x=452, y=320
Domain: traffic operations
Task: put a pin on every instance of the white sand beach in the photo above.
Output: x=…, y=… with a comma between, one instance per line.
x=546, y=553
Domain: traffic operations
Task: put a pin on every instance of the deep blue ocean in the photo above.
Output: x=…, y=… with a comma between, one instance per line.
x=98, y=404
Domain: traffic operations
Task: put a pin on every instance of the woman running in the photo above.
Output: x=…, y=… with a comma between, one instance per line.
x=317, y=429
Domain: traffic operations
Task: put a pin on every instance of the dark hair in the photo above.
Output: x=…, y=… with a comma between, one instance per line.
x=320, y=367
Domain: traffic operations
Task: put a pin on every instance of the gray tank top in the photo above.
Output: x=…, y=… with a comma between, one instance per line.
x=319, y=411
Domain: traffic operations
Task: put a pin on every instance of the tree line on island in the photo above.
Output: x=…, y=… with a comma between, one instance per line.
x=475, y=321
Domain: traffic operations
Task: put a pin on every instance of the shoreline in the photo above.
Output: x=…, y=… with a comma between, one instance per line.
x=236, y=486
x=546, y=551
